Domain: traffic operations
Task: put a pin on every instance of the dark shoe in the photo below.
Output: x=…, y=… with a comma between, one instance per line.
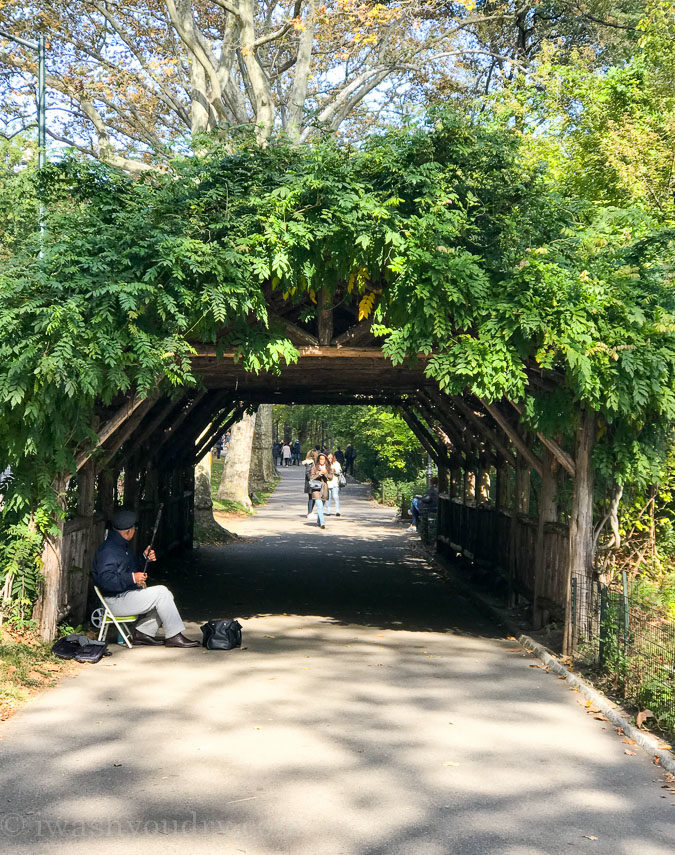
x=337, y=515
x=139, y=638
x=181, y=641
x=323, y=526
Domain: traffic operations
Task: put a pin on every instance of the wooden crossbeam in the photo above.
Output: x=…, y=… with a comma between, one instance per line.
x=514, y=435
x=109, y=428
x=564, y=459
x=490, y=435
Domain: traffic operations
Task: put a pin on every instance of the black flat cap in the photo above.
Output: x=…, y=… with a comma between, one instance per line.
x=124, y=519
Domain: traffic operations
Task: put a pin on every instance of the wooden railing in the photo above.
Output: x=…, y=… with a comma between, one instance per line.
x=493, y=538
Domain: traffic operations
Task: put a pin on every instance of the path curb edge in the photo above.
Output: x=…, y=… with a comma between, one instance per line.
x=645, y=740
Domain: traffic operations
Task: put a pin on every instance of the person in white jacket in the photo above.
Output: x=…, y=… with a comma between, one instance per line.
x=334, y=487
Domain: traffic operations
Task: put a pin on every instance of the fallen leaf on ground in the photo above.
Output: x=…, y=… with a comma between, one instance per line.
x=600, y=717
x=590, y=837
x=451, y=764
x=562, y=677
x=630, y=753
x=656, y=760
x=11, y=669
x=628, y=741
x=514, y=650
x=117, y=764
x=533, y=665
x=642, y=716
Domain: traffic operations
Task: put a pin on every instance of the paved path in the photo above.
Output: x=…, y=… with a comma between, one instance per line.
x=371, y=713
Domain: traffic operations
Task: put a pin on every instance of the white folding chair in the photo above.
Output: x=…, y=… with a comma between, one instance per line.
x=102, y=618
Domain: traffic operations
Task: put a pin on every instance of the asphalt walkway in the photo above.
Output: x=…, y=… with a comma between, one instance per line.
x=372, y=712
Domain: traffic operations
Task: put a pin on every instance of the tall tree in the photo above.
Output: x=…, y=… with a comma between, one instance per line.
x=130, y=82
x=234, y=482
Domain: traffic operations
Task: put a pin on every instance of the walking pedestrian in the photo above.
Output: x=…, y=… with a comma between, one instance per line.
x=286, y=453
x=308, y=462
x=350, y=456
x=296, y=448
x=319, y=476
x=334, y=487
x=340, y=456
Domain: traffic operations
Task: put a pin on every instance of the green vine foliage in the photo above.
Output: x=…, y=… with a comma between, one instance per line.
x=466, y=248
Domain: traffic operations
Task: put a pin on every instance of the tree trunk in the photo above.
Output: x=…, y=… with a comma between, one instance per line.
x=262, y=470
x=581, y=530
x=234, y=483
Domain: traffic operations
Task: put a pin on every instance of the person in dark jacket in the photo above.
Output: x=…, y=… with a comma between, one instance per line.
x=426, y=504
x=350, y=456
x=121, y=579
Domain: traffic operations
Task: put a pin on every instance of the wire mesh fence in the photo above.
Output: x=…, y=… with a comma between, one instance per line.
x=632, y=643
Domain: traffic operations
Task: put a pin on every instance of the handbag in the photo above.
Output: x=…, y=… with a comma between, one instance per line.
x=315, y=484
x=80, y=648
x=221, y=634
x=342, y=481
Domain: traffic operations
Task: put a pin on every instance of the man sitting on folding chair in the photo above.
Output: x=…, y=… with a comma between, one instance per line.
x=120, y=575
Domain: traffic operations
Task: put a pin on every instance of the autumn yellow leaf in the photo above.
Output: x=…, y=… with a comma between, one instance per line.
x=366, y=306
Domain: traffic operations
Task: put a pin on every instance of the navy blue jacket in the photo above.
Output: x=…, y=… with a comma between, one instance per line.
x=113, y=565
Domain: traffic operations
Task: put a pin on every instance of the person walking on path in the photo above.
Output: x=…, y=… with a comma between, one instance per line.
x=319, y=476
x=120, y=577
x=334, y=487
x=350, y=456
x=286, y=454
x=296, y=448
x=308, y=462
x=340, y=456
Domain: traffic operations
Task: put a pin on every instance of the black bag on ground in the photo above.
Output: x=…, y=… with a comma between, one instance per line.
x=221, y=634
x=80, y=648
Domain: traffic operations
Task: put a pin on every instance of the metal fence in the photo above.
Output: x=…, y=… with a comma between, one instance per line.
x=632, y=644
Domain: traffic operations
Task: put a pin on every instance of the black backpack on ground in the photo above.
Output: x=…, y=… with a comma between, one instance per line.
x=221, y=634
x=80, y=648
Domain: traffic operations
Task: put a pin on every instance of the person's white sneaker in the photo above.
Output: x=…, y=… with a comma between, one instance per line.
x=411, y=528
x=309, y=516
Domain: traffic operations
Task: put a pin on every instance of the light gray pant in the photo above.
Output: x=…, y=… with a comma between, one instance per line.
x=156, y=607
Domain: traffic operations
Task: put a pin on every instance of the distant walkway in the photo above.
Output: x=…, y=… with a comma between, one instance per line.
x=372, y=712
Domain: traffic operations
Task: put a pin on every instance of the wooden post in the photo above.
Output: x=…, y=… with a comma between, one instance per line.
x=469, y=483
x=443, y=482
x=581, y=525
x=548, y=512
x=502, y=486
x=46, y=612
x=483, y=480
x=522, y=485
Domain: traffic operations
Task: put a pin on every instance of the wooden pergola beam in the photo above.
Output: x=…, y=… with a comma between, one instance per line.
x=513, y=434
x=222, y=425
x=450, y=420
x=564, y=459
x=489, y=435
x=109, y=428
x=422, y=433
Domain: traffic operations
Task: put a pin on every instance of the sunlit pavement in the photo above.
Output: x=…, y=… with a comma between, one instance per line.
x=371, y=711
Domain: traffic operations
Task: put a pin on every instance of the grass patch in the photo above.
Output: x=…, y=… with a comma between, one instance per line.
x=226, y=506
x=229, y=507
x=26, y=666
